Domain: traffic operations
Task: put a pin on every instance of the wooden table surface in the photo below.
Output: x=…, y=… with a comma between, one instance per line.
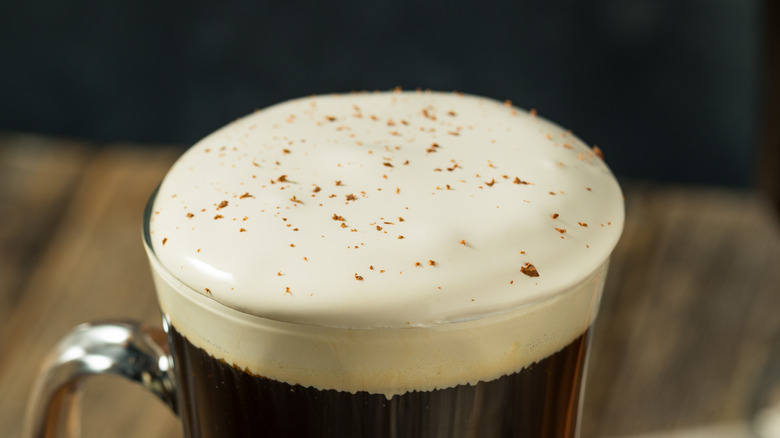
x=690, y=320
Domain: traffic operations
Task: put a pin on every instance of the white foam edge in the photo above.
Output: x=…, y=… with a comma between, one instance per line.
x=389, y=361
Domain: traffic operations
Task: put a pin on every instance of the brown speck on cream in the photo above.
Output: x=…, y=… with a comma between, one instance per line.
x=358, y=277
x=582, y=224
x=208, y=291
x=519, y=181
x=597, y=150
x=164, y=241
x=491, y=182
x=190, y=215
x=560, y=230
x=555, y=216
x=338, y=182
x=400, y=236
x=529, y=270
x=242, y=230
x=417, y=264
x=245, y=195
x=219, y=216
x=282, y=178
x=337, y=217
x=432, y=262
x=222, y=205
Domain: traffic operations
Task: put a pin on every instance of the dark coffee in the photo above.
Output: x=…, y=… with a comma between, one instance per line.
x=219, y=400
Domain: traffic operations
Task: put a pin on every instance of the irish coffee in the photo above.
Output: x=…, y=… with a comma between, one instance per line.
x=396, y=264
x=220, y=400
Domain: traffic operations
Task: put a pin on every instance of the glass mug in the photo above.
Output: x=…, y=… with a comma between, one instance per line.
x=230, y=372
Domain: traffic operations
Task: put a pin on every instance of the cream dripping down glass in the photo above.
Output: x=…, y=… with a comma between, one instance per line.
x=386, y=264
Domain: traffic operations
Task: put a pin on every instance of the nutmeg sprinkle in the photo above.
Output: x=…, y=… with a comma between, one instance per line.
x=381, y=158
x=529, y=270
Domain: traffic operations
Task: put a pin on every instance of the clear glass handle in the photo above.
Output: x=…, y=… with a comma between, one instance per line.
x=126, y=349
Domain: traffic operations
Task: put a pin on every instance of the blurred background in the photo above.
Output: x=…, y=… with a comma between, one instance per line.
x=98, y=98
x=671, y=90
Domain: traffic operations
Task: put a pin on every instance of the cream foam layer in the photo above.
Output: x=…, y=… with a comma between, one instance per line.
x=389, y=361
x=383, y=210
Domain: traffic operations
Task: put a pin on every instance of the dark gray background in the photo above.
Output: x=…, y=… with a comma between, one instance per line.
x=668, y=89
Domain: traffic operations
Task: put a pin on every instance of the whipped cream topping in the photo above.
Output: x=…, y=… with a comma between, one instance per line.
x=382, y=210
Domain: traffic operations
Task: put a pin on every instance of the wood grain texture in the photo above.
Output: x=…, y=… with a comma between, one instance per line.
x=688, y=320
x=92, y=267
x=37, y=177
x=689, y=316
